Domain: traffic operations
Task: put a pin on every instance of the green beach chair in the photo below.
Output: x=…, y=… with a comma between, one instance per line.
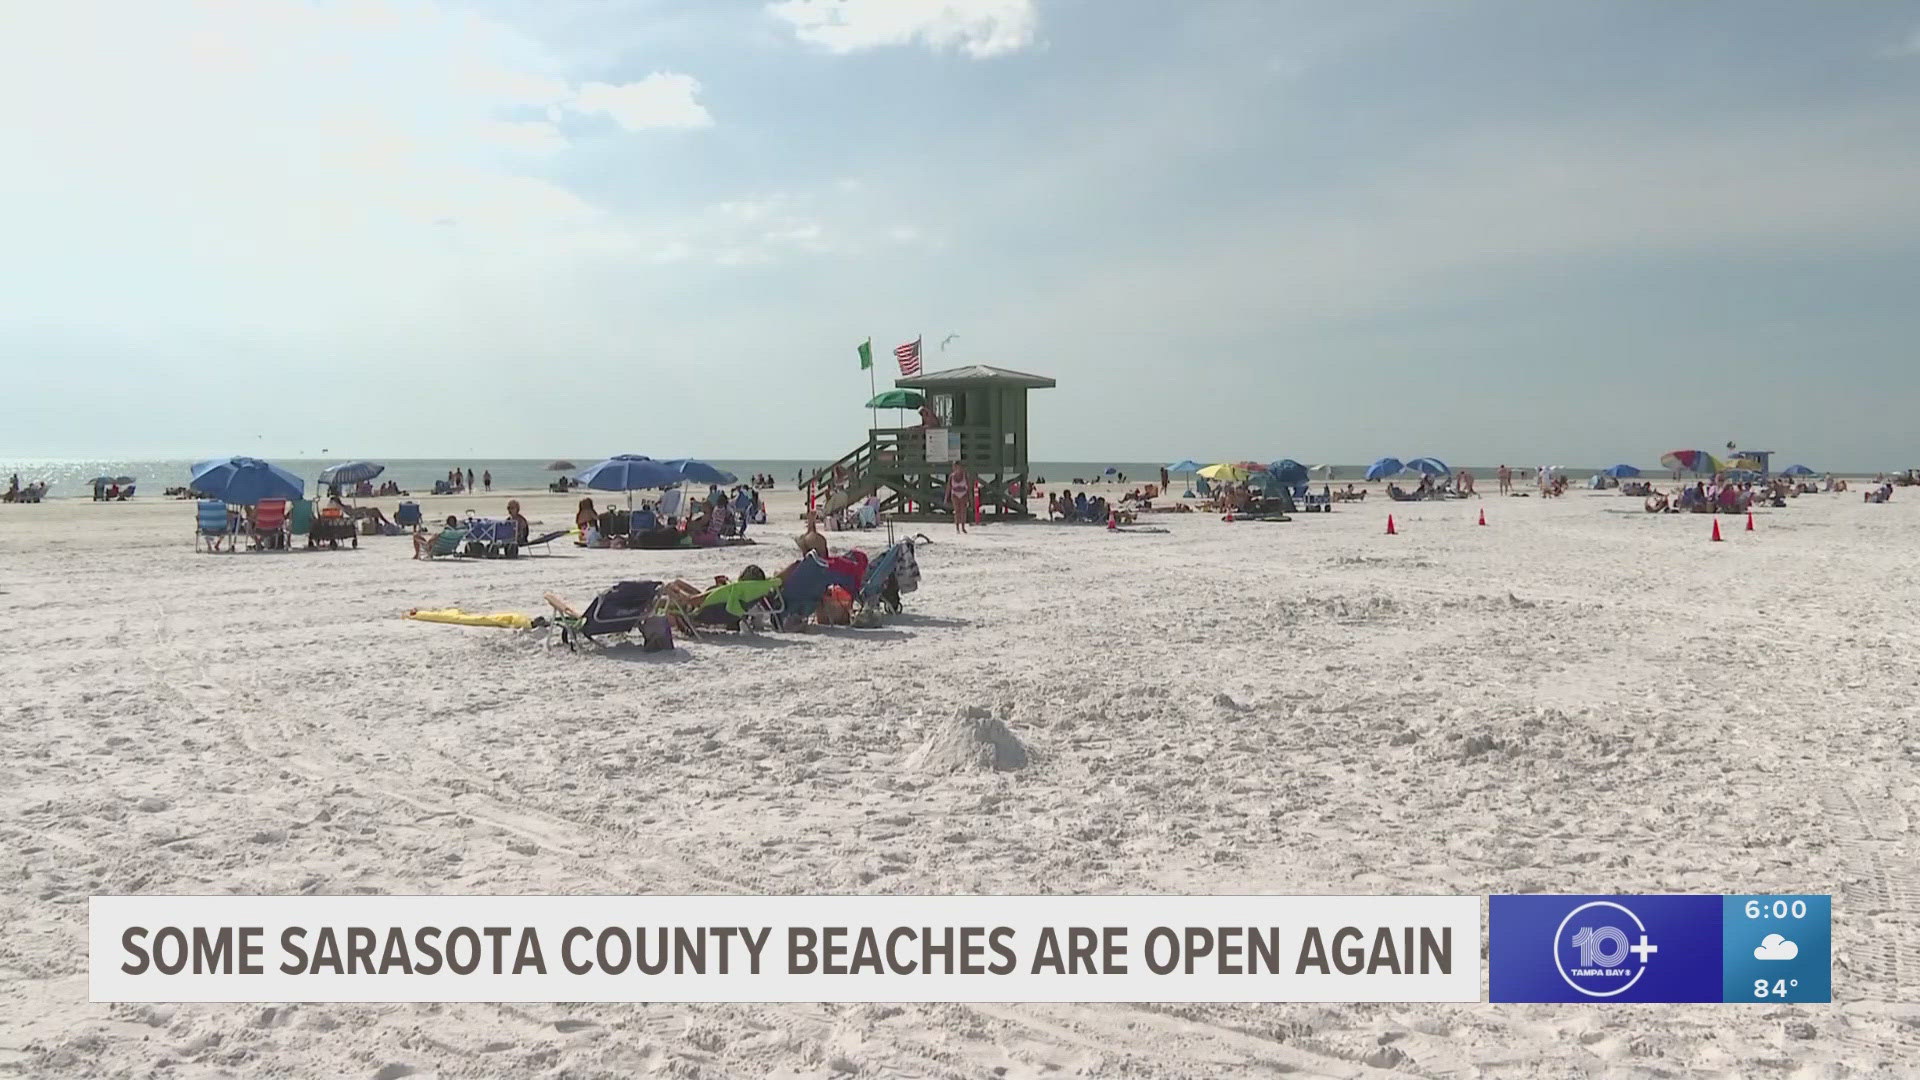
x=447, y=544
x=300, y=520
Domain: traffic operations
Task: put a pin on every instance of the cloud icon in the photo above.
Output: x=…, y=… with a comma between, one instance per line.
x=1775, y=947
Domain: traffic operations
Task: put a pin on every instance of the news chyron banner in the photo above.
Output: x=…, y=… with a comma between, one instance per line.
x=784, y=948
x=1666, y=948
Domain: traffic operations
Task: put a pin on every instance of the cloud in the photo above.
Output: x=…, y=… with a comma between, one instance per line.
x=661, y=100
x=979, y=28
x=1775, y=947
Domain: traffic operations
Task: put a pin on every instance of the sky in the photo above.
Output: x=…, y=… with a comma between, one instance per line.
x=1492, y=232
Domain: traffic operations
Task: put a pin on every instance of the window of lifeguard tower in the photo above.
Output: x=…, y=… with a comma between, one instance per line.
x=954, y=408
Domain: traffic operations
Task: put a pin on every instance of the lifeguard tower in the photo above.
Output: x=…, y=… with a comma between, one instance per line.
x=979, y=422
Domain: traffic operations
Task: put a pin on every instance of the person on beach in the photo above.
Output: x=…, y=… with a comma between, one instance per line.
x=486, y=479
x=959, y=497
x=587, y=520
x=1506, y=480
x=811, y=542
x=423, y=539
x=522, y=529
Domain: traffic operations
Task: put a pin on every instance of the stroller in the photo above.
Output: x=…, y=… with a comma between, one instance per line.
x=627, y=607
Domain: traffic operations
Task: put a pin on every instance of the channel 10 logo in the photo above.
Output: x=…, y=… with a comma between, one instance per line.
x=1602, y=949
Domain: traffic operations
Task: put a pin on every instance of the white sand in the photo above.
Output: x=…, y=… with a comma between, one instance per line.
x=1578, y=697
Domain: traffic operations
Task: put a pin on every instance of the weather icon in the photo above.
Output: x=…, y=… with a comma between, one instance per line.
x=1775, y=947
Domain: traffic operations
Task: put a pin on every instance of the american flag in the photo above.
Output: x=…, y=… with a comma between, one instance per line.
x=909, y=357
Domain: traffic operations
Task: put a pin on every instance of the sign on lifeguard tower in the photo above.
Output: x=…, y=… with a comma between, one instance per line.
x=943, y=445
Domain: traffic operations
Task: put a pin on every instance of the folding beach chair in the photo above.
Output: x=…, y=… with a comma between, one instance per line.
x=545, y=541
x=802, y=589
x=300, y=520
x=269, y=524
x=445, y=545
x=733, y=606
x=212, y=526
x=407, y=516
x=879, y=594
x=626, y=608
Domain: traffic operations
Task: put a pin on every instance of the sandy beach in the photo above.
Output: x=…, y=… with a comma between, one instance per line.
x=1578, y=696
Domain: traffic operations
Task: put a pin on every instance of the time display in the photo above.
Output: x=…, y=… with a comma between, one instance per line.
x=1778, y=908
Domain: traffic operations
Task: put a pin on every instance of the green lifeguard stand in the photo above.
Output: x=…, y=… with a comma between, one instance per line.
x=980, y=423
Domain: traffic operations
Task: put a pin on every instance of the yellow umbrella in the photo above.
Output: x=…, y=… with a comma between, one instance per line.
x=1225, y=471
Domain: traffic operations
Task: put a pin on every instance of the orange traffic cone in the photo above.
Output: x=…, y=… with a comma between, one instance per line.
x=1749, y=521
x=1229, y=517
x=1391, y=531
x=1113, y=523
x=1716, y=529
x=1483, y=516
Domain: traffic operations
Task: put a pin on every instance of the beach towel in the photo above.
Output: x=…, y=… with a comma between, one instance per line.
x=505, y=620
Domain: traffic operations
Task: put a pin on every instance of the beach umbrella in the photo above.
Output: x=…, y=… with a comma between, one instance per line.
x=123, y=480
x=1797, y=470
x=1385, y=467
x=1693, y=461
x=1184, y=465
x=699, y=472
x=351, y=472
x=1620, y=472
x=244, y=481
x=562, y=465
x=628, y=473
x=1429, y=466
x=1288, y=471
x=1225, y=471
x=896, y=399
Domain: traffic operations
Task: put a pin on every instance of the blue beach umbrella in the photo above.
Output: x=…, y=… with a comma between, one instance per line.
x=1620, y=472
x=351, y=472
x=1385, y=467
x=699, y=472
x=244, y=481
x=1430, y=466
x=1797, y=470
x=1288, y=471
x=1185, y=465
x=627, y=472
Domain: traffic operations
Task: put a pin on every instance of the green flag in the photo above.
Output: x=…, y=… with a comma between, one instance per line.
x=866, y=354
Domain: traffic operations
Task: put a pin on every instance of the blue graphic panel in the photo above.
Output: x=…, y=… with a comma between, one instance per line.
x=1604, y=948
x=1777, y=948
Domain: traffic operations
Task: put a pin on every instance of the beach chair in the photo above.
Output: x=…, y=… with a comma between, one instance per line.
x=446, y=545
x=733, y=606
x=626, y=608
x=269, y=528
x=801, y=590
x=300, y=520
x=212, y=525
x=407, y=516
x=545, y=541
x=879, y=594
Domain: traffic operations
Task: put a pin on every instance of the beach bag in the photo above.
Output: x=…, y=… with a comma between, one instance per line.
x=836, y=608
x=656, y=633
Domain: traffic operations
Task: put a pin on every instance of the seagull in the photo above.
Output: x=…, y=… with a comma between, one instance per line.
x=944, y=340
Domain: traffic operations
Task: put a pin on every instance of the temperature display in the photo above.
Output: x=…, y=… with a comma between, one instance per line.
x=1777, y=948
